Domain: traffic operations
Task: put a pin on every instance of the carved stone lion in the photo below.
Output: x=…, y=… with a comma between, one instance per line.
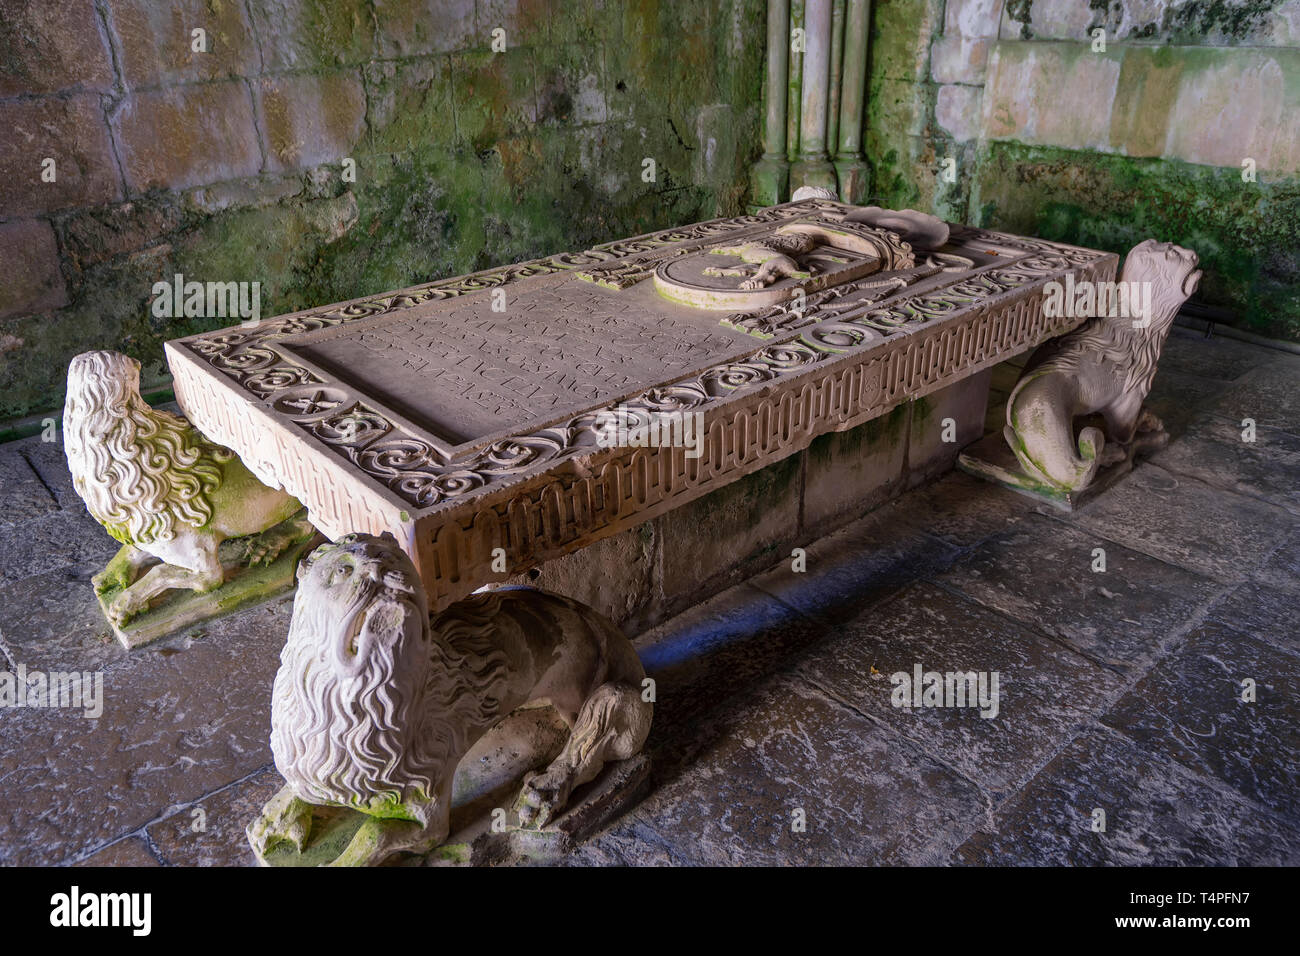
x=374, y=705
x=159, y=487
x=1103, y=367
x=776, y=256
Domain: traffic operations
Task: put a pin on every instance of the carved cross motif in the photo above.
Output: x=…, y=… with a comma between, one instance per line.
x=311, y=404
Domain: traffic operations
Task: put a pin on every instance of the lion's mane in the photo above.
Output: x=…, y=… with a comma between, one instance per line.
x=376, y=732
x=141, y=472
x=1114, y=340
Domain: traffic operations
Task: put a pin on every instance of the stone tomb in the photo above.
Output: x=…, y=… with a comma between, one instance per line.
x=465, y=416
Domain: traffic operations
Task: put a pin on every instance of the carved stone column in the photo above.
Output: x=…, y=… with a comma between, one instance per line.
x=837, y=68
x=772, y=173
x=794, y=83
x=851, y=169
x=813, y=167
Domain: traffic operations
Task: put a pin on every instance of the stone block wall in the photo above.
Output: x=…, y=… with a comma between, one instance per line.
x=1147, y=137
x=227, y=163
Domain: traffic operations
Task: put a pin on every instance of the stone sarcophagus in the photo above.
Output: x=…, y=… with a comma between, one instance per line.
x=469, y=417
x=451, y=435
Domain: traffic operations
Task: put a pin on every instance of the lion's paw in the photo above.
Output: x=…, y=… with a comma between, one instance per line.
x=1148, y=422
x=123, y=608
x=111, y=579
x=1112, y=453
x=284, y=819
x=542, y=798
x=263, y=548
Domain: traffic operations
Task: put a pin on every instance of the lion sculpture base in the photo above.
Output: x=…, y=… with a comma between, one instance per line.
x=375, y=705
x=991, y=458
x=484, y=829
x=246, y=583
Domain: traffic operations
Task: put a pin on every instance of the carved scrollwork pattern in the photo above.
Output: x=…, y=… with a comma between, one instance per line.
x=853, y=316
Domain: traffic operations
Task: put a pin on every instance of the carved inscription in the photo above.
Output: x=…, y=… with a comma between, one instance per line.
x=465, y=371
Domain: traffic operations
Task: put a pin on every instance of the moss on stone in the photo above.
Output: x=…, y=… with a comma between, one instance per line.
x=467, y=160
x=1021, y=12
x=1246, y=234
x=1238, y=20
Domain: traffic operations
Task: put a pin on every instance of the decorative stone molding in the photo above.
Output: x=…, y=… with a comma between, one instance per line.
x=537, y=485
x=374, y=705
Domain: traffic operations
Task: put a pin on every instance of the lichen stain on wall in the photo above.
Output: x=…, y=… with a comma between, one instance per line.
x=1106, y=148
x=227, y=165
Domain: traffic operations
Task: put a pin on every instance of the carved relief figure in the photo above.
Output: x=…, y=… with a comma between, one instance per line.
x=1104, y=367
x=777, y=257
x=156, y=485
x=814, y=253
x=374, y=705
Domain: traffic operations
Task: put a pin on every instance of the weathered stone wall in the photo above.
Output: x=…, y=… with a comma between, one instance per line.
x=1147, y=138
x=227, y=165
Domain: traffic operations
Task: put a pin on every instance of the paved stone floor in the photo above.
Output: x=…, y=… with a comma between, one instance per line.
x=1119, y=690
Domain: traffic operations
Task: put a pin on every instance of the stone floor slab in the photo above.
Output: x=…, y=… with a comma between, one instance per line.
x=179, y=720
x=214, y=835
x=56, y=540
x=1190, y=710
x=1211, y=357
x=1176, y=398
x=1260, y=611
x=1156, y=814
x=52, y=621
x=24, y=494
x=1214, y=452
x=1040, y=574
x=867, y=796
x=723, y=647
x=1269, y=394
x=1187, y=523
x=130, y=852
x=1044, y=689
x=961, y=510
x=627, y=843
x=50, y=463
x=858, y=566
x=1281, y=569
